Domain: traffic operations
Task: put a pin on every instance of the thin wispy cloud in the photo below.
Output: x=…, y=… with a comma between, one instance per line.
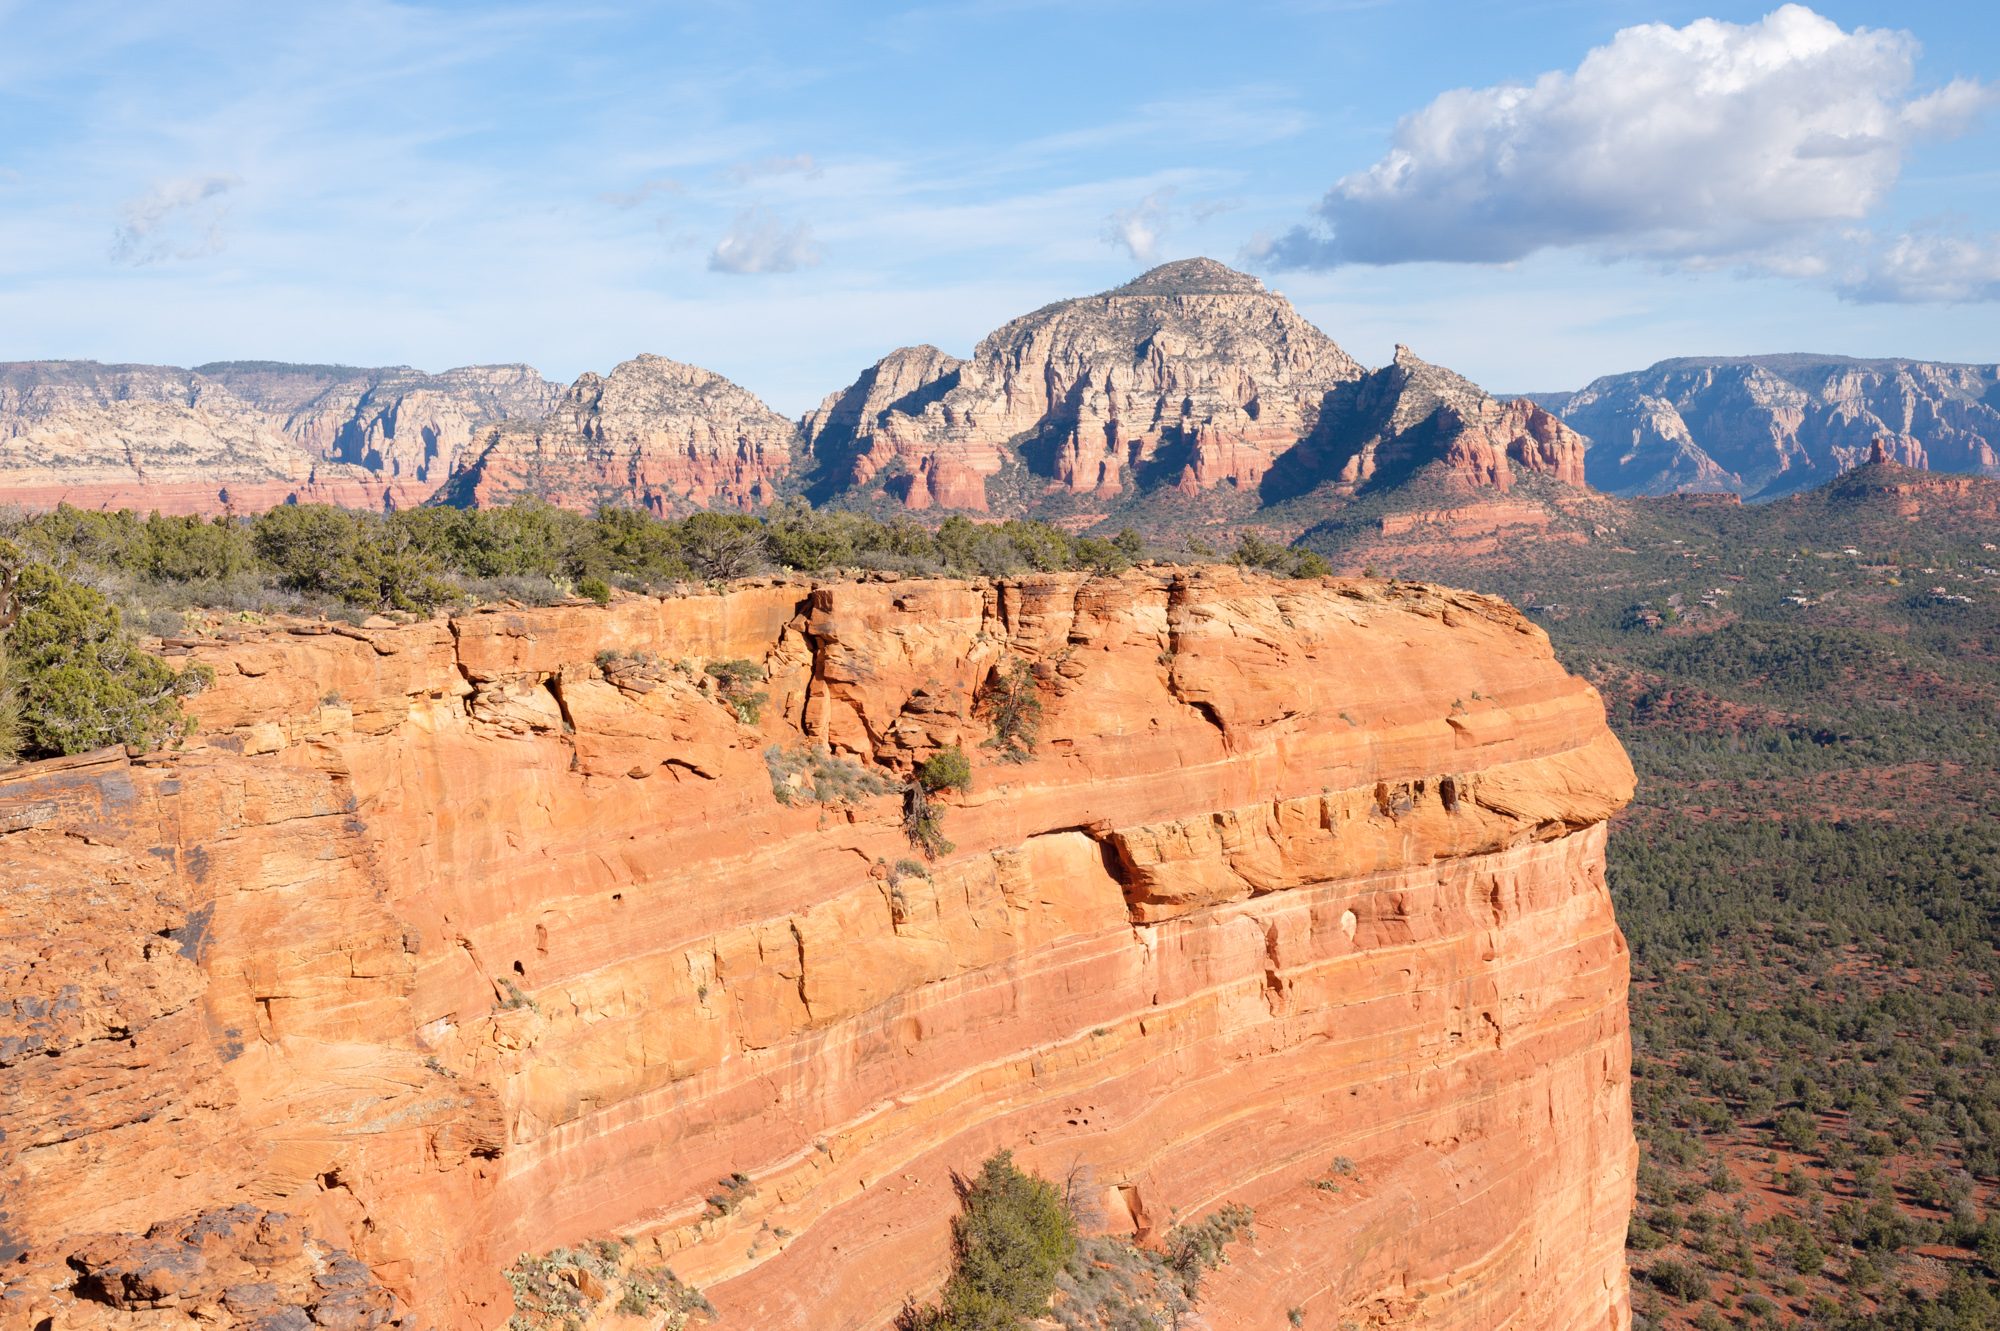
x=760, y=243
x=797, y=164
x=643, y=192
x=1140, y=228
x=176, y=219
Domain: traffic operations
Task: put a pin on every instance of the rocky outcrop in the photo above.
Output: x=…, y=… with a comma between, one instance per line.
x=653, y=433
x=1768, y=425
x=1411, y=416
x=838, y=431
x=454, y=940
x=242, y=436
x=400, y=423
x=1191, y=376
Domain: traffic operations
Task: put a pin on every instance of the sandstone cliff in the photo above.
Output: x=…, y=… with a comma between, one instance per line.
x=653, y=433
x=460, y=939
x=1411, y=416
x=1770, y=425
x=1190, y=376
x=242, y=435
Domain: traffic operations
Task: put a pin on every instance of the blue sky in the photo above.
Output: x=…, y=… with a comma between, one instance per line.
x=1531, y=193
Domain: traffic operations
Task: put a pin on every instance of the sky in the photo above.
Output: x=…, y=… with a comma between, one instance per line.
x=1532, y=193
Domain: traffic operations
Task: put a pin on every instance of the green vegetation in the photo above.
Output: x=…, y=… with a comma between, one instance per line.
x=1810, y=884
x=923, y=820
x=1012, y=704
x=1011, y=1239
x=947, y=769
x=72, y=677
x=1287, y=561
x=734, y=680
x=549, y=1289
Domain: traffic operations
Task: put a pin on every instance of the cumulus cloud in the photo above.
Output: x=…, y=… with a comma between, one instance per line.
x=759, y=243
x=177, y=219
x=1929, y=267
x=1713, y=143
x=1140, y=228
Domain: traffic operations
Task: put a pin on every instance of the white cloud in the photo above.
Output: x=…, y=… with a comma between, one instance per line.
x=1929, y=268
x=1140, y=228
x=1713, y=143
x=760, y=243
x=178, y=219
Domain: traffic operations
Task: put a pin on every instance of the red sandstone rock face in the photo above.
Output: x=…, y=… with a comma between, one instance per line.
x=1412, y=415
x=446, y=943
x=653, y=433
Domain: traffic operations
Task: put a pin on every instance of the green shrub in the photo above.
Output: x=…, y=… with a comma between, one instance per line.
x=947, y=769
x=1013, y=705
x=597, y=589
x=10, y=713
x=734, y=679
x=1010, y=1241
x=1196, y=1249
x=77, y=677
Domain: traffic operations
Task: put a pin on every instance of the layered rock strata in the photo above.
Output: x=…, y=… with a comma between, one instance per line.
x=654, y=432
x=461, y=939
x=1192, y=376
x=1411, y=416
x=243, y=436
x=1770, y=425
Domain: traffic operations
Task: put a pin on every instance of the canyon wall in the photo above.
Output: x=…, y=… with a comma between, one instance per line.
x=1762, y=426
x=448, y=941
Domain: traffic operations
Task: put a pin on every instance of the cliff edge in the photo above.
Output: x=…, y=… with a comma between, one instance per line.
x=456, y=940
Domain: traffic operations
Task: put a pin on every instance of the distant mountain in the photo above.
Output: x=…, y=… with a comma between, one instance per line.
x=1762, y=426
x=654, y=433
x=243, y=435
x=1189, y=395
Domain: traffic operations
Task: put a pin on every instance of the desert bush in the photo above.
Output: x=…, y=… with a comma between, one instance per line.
x=1013, y=706
x=947, y=769
x=1011, y=1239
x=734, y=680
x=1194, y=1250
x=76, y=675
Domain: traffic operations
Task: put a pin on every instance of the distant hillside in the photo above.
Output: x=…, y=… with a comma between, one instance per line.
x=1763, y=426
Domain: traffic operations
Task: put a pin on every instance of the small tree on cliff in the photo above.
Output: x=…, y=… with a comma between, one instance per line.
x=947, y=769
x=1012, y=1237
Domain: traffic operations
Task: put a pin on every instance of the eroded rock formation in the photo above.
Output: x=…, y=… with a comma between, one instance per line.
x=460, y=939
x=243, y=436
x=1192, y=375
x=1770, y=425
x=654, y=433
x=1412, y=416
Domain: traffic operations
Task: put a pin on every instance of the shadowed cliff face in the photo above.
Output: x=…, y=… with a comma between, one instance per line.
x=466, y=938
x=1769, y=425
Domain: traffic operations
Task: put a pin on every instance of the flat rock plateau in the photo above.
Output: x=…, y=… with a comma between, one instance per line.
x=454, y=940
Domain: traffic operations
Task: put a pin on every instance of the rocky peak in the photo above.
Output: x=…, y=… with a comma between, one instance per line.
x=1411, y=415
x=1190, y=376
x=1191, y=277
x=655, y=432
